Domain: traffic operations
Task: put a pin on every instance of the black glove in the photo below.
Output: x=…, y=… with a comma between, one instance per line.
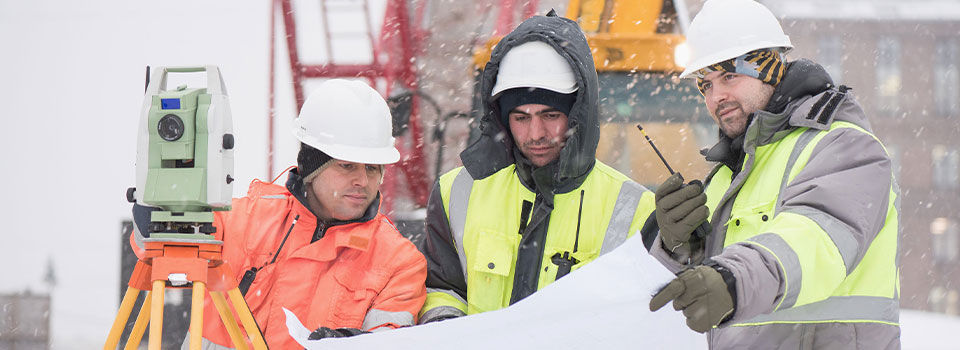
x=706, y=294
x=679, y=210
x=324, y=332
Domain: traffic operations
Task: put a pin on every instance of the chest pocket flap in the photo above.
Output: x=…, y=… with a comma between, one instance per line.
x=495, y=253
x=358, y=289
x=748, y=221
x=489, y=270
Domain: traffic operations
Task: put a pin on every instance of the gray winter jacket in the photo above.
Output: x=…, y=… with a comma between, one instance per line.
x=837, y=191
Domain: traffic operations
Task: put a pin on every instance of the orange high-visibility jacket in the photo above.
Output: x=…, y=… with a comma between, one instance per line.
x=360, y=274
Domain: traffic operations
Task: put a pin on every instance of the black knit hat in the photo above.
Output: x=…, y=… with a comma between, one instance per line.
x=512, y=98
x=310, y=160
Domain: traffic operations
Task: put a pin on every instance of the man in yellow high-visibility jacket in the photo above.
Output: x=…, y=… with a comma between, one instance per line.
x=802, y=250
x=531, y=202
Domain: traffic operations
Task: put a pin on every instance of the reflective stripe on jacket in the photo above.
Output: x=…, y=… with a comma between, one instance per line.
x=484, y=220
x=810, y=230
x=359, y=275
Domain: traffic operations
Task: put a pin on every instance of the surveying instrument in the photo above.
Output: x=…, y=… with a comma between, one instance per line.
x=184, y=167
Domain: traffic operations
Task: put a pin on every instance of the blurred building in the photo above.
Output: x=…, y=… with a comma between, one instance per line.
x=24, y=321
x=901, y=58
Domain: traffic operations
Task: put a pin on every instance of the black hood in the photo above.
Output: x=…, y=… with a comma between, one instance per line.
x=494, y=150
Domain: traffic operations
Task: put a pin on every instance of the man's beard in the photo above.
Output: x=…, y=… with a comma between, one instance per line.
x=731, y=125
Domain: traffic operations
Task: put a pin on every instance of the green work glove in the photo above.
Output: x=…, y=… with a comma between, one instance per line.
x=679, y=210
x=707, y=296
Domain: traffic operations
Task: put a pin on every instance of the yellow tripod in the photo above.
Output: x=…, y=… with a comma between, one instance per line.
x=179, y=261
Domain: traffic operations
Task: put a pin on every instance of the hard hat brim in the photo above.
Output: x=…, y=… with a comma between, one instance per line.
x=364, y=155
x=732, y=52
x=523, y=84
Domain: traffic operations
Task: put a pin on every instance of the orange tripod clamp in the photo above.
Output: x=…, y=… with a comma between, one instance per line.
x=189, y=262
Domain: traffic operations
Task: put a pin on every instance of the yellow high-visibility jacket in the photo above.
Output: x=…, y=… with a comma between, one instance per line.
x=476, y=245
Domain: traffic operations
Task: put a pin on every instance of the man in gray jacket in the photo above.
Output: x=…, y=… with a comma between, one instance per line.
x=801, y=247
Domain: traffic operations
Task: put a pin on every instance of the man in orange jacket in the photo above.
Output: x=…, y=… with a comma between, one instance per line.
x=318, y=246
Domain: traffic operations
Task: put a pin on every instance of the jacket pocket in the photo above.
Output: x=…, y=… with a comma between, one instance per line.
x=746, y=222
x=489, y=272
x=357, y=291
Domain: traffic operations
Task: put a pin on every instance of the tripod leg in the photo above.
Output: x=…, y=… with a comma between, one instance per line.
x=156, y=315
x=249, y=324
x=129, y=298
x=136, y=334
x=228, y=321
x=196, y=314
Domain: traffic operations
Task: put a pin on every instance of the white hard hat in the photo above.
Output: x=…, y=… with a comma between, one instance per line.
x=726, y=29
x=347, y=120
x=535, y=64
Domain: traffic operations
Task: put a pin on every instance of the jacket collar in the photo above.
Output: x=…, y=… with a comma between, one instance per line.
x=356, y=236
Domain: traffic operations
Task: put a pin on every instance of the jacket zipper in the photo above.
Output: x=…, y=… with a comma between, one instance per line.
x=320, y=231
